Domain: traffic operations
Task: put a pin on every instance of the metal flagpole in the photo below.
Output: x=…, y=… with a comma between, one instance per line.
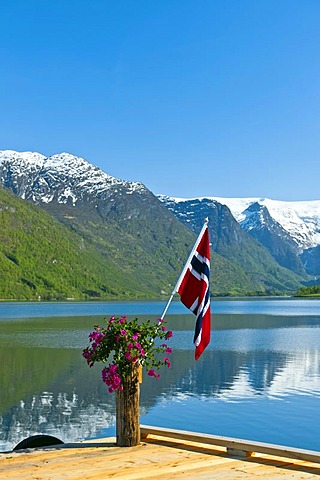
x=185, y=267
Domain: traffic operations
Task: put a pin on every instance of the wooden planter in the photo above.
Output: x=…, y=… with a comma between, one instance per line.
x=127, y=411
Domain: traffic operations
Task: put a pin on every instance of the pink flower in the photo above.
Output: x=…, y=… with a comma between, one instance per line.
x=142, y=352
x=127, y=355
x=123, y=333
x=111, y=378
x=138, y=346
x=135, y=336
x=163, y=328
x=168, y=350
x=87, y=355
x=167, y=362
x=130, y=346
x=96, y=336
x=168, y=334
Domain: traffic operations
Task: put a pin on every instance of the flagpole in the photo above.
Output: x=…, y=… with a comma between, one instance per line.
x=185, y=268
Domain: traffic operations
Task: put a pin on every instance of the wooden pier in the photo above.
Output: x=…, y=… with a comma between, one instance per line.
x=162, y=454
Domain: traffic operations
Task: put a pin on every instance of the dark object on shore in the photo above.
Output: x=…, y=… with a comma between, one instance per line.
x=38, y=441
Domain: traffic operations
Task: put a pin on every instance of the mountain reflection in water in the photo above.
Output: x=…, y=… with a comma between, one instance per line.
x=258, y=369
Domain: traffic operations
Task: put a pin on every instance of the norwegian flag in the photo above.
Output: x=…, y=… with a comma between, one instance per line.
x=193, y=289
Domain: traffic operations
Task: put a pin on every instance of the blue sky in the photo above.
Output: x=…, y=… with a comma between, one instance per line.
x=192, y=98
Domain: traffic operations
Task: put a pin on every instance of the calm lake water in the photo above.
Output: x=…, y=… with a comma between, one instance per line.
x=259, y=378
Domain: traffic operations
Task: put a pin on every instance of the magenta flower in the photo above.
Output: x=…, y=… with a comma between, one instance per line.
x=111, y=378
x=153, y=373
x=87, y=355
x=167, y=362
x=127, y=355
x=135, y=336
x=96, y=337
x=168, y=334
x=168, y=350
x=123, y=333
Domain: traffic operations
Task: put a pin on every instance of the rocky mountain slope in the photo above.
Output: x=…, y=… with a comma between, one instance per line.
x=232, y=242
x=290, y=231
x=295, y=230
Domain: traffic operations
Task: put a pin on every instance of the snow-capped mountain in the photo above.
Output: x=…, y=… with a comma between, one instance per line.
x=294, y=237
x=64, y=178
x=289, y=230
x=301, y=220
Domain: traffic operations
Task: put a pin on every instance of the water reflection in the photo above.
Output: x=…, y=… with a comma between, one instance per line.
x=263, y=306
x=51, y=391
x=46, y=387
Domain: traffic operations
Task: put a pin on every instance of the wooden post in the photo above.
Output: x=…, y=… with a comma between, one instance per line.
x=127, y=411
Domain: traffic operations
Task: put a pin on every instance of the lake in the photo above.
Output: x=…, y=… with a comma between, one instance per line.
x=259, y=379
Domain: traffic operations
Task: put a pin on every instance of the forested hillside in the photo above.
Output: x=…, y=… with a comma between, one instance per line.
x=41, y=258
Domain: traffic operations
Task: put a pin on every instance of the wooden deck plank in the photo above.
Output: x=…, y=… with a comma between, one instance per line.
x=164, y=458
x=232, y=443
